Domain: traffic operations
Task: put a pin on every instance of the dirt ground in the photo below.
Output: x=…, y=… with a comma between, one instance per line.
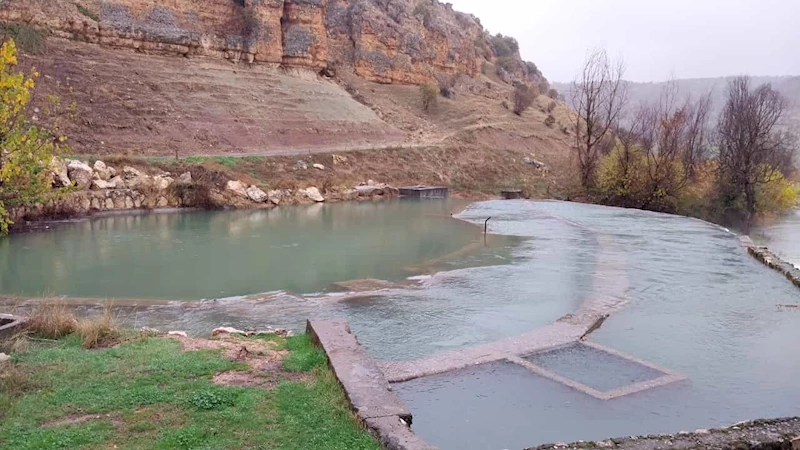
x=133, y=105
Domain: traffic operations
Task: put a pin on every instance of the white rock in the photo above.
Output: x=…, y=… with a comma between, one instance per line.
x=313, y=194
x=221, y=331
x=370, y=183
x=319, y=166
x=4, y=357
x=133, y=178
x=177, y=333
x=58, y=167
x=116, y=183
x=237, y=187
x=100, y=185
x=129, y=173
x=257, y=195
x=162, y=182
x=185, y=178
x=275, y=196
x=102, y=171
x=367, y=191
x=79, y=173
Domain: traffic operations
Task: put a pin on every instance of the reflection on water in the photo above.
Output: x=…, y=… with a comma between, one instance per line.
x=697, y=304
x=224, y=254
x=782, y=237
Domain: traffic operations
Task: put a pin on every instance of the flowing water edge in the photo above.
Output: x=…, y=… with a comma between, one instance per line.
x=686, y=296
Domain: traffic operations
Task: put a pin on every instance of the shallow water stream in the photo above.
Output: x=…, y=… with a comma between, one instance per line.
x=685, y=296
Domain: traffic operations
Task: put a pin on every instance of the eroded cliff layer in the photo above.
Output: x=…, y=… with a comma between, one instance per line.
x=388, y=41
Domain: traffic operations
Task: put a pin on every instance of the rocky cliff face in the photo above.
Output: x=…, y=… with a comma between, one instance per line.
x=387, y=41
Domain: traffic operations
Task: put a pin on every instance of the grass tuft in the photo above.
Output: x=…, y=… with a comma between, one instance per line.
x=51, y=319
x=100, y=331
x=304, y=356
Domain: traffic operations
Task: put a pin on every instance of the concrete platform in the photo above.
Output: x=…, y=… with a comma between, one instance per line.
x=365, y=387
x=424, y=192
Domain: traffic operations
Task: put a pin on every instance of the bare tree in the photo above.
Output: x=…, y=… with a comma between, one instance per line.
x=751, y=148
x=653, y=154
x=598, y=97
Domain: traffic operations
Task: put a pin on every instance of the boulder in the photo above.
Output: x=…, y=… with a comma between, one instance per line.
x=350, y=194
x=133, y=178
x=100, y=185
x=79, y=173
x=236, y=187
x=58, y=168
x=271, y=331
x=300, y=164
x=4, y=357
x=162, y=182
x=339, y=159
x=533, y=162
x=257, y=195
x=177, y=333
x=368, y=191
x=319, y=166
x=116, y=183
x=313, y=194
x=224, y=331
x=275, y=196
x=102, y=171
x=185, y=178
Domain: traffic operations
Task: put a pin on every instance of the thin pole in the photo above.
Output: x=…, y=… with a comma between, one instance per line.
x=485, y=229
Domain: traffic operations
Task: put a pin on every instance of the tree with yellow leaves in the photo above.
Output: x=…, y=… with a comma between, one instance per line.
x=26, y=150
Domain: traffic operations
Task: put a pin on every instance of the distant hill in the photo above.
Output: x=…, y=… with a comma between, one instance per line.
x=639, y=93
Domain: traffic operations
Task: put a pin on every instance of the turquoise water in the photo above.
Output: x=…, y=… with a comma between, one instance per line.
x=206, y=255
x=689, y=299
x=697, y=304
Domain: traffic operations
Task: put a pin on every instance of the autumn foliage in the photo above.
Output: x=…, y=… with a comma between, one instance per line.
x=27, y=149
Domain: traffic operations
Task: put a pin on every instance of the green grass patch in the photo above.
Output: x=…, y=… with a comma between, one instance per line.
x=304, y=356
x=149, y=394
x=227, y=161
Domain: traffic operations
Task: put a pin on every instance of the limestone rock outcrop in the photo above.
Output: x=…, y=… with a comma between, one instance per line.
x=387, y=41
x=79, y=173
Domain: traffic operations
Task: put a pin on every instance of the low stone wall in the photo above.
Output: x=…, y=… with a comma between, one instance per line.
x=771, y=260
x=779, y=434
x=367, y=390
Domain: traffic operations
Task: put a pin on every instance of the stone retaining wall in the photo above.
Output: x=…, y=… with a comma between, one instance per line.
x=368, y=392
x=779, y=434
x=771, y=260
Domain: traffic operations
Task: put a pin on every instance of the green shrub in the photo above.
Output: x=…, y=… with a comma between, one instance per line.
x=86, y=12
x=524, y=96
x=430, y=96
x=504, y=46
x=26, y=37
x=507, y=63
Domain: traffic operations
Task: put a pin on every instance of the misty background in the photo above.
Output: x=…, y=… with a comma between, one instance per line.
x=658, y=39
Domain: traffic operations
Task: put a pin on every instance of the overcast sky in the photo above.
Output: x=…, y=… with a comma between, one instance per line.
x=659, y=39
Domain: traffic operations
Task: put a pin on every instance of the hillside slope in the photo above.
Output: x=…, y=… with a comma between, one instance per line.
x=164, y=79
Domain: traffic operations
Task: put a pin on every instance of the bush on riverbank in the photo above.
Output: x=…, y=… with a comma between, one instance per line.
x=26, y=148
x=148, y=392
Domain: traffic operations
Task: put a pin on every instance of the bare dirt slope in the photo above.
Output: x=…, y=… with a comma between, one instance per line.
x=146, y=105
x=154, y=105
